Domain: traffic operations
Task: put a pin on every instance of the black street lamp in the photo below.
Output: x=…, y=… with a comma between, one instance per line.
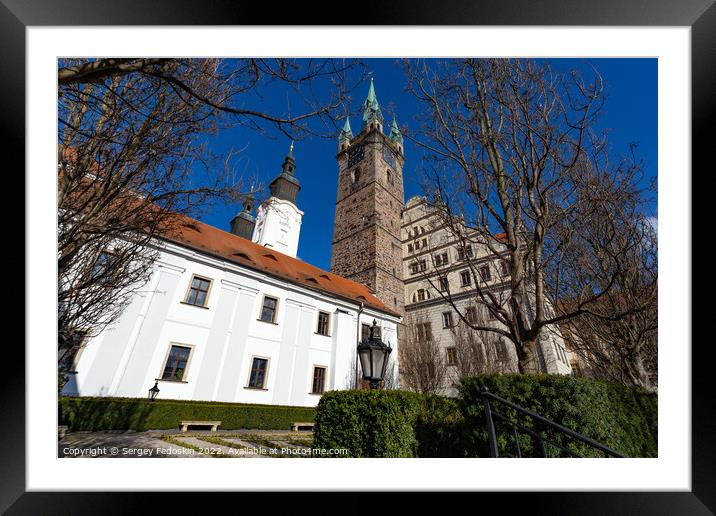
x=154, y=391
x=373, y=354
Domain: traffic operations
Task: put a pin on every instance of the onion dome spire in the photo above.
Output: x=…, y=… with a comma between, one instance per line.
x=285, y=186
x=243, y=222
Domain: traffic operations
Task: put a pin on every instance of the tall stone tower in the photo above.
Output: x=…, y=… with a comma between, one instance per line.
x=366, y=230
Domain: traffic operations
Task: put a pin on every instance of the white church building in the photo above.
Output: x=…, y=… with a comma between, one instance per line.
x=236, y=317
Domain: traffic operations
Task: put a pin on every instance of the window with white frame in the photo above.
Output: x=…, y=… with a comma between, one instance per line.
x=447, y=320
x=444, y=285
x=504, y=268
x=451, y=355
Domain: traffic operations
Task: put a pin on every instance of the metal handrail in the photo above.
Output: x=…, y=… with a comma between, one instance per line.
x=492, y=434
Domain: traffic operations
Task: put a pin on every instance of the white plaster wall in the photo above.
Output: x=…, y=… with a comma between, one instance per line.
x=278, y=226
x=126, y=359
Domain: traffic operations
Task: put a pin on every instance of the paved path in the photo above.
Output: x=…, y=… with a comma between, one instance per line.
x=150, y=444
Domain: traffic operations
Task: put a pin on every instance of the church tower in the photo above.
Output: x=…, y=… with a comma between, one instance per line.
x=278, y=219
x=366, y=230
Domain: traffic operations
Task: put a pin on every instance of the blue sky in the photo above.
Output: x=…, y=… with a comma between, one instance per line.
x=630, y=115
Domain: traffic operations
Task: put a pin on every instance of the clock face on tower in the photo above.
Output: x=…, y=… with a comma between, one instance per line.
x=389, y=157
x=355, y=154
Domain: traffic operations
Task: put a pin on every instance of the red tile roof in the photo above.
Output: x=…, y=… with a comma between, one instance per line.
x=214, y=241
x=202, y=237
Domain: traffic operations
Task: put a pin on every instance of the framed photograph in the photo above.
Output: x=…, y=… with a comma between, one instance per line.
x=308, y=196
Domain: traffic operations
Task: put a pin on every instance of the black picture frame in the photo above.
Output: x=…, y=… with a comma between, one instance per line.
x=700, y=15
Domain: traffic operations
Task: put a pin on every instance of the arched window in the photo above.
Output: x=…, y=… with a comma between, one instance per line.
x=355, y=175
x=421, y=295
x=389, y=177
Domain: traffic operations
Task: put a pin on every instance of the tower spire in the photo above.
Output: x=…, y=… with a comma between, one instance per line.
x=395, y=134
x=243, y=222
x=346, y=132
x=285, y=185
x=371, y=108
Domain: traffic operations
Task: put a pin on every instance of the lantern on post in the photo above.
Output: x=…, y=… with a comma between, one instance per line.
x=373, y=354
x=153, y=391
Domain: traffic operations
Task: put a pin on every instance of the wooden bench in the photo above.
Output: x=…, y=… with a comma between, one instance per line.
x=186, y=424
x=306, y=426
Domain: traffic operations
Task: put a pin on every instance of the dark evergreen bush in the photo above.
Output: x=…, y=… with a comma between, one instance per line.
x=387, y=424
x=624, y=419
x=406, y=424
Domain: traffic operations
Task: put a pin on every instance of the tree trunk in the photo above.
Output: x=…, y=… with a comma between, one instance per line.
x=527, y=357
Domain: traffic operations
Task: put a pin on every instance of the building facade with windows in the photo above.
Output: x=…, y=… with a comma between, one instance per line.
x=406, y=258
x=235, y=316
x=225, y=318
x=437, y=268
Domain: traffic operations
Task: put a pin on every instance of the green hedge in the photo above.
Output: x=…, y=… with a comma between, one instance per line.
x=387, y=424
x=622, y=418
x=80, y=413
x=406, y=424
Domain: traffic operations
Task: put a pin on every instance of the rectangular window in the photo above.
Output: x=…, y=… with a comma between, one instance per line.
x=451, y=356
x=268, y=310
x=319, y=380
x=175, y=366
x=423, y=265
x=447, y=320
x=441, y=259
x=423, y=332
x=485, y=274
x=410, y=248
x=443, y=284
x=364, y=331
x=324, y=319
x=504, y=268
x=417, y=245
x=413, y=268
x=103, y=267
x=70, y=349
x=462, y=253
x=198, y=291
x=465, y=278
x=425, y=242
x=257, y=380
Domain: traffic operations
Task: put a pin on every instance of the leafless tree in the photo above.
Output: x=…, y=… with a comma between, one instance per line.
x=521, y=171
x=624, y=350
x=423, y=365
x=134, y=158
x=479, y=352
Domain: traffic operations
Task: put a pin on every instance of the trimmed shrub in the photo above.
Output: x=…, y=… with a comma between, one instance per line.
x=407, y=424
x=91, y=414
x=375, y=423
x=623, y=419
